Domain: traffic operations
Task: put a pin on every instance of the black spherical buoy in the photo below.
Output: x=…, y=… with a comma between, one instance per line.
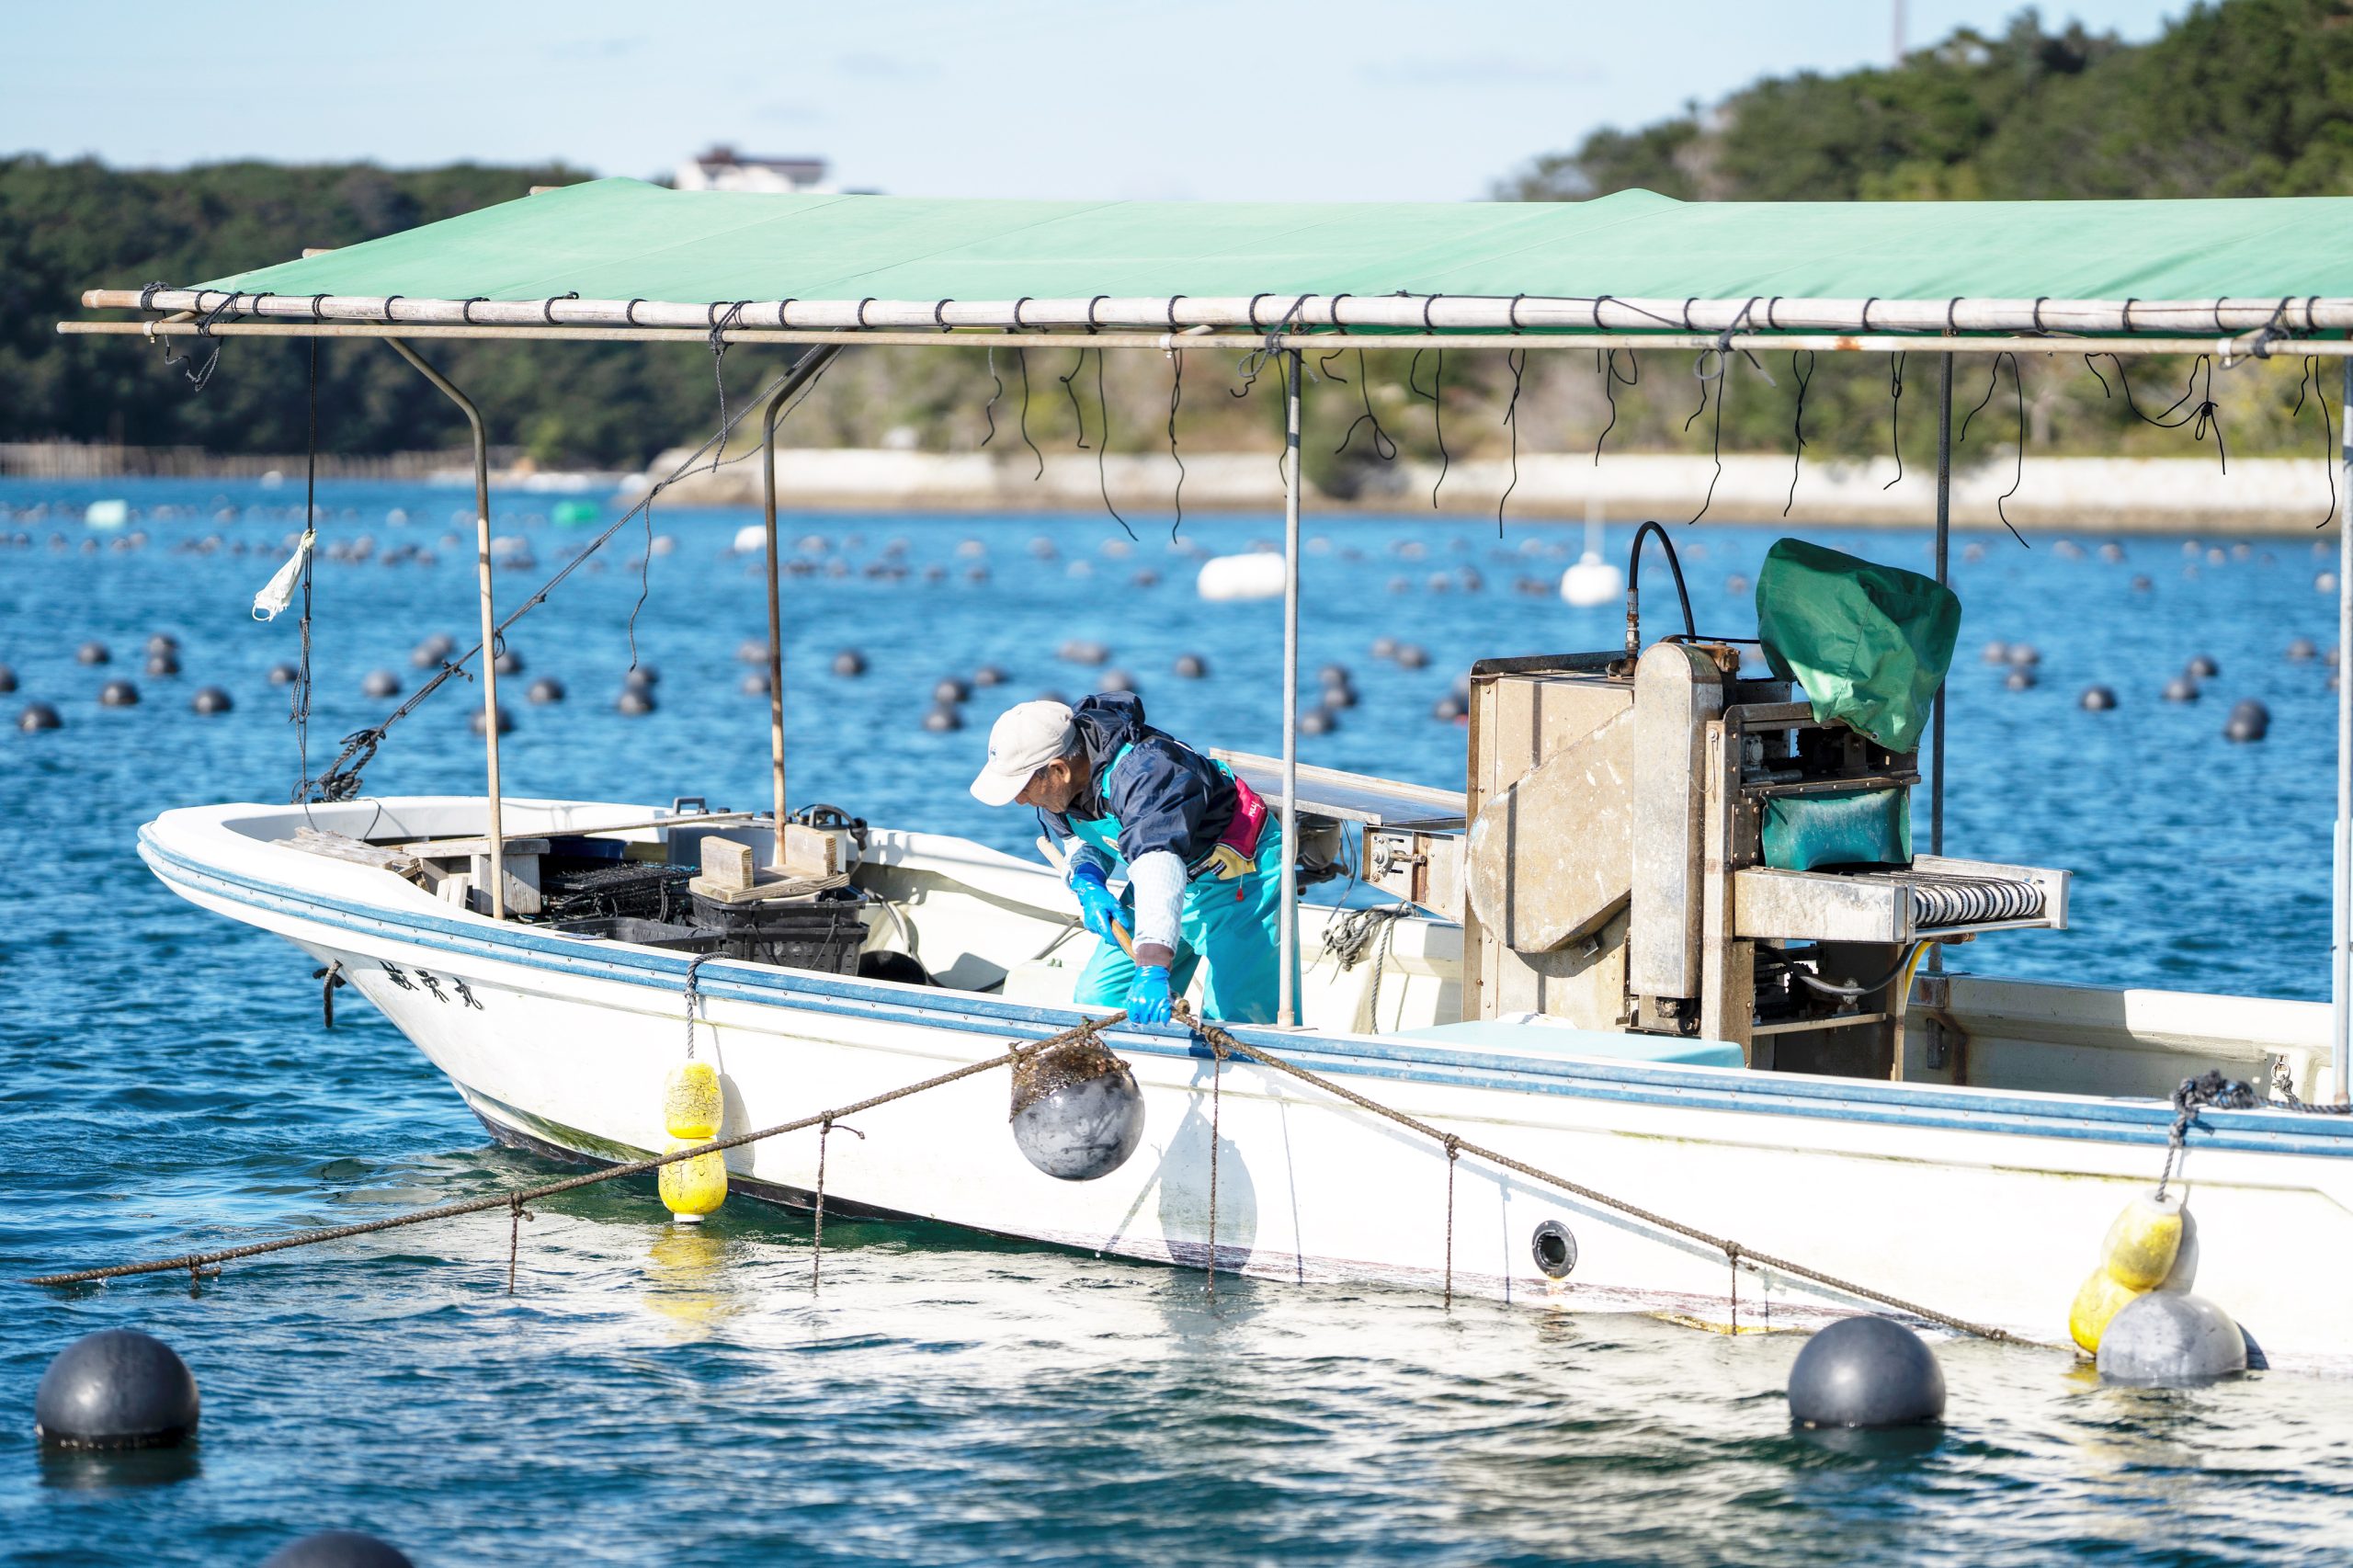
x=91, y=653
x=850, y=662
x=1077, y=1114
x=116, y=1389
x=37, y=716
x=640, y=677
x=2141, y=583
x=753, y=684
x=2020, y=679
x=634, y=702
x=2249, y=720
x=1411, y=656
x=1449, y=708
x=338, y=1549
x=508, y=663
x=1340, y=696
x=379, y=683
x=284, y=675
x=163, y=662
x=990, y=675
x=1866, y=1371
x=1333, y=674
x=1191, y=666
x=7, y=679
x=952, y=688
x=211, y=700
x=943, y=718
x=1318, y=722
x=162, y=643
x=2097, y=700
x=546, y=689
x=118, y=694
x=2201, y=668
x=2182, y=689
x=2301, y=649
x=506, y=721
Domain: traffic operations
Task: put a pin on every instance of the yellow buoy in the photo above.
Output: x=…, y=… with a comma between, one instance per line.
x=2143, y=1242
x=2100, y=1299
x=692, y=1188
x=692, y=1106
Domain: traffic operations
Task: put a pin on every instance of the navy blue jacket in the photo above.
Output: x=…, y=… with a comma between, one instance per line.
x=1165, y=794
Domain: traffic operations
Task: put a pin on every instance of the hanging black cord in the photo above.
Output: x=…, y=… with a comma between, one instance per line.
x=1634, y=587
x=1994, y=380
x=1804, y=376
x=201, y=376
x=1103, y=448
x=299, y=714
x=2199, y=416
x=1176, y=396
x=1021, y=357
x=1895, y=418
x=1610, y=382
x=1723, y=367
x=988, y=410
x=1077, y=414
x=1382, y=447
x=720, y=323
x=2328, y=455
x=1516, y=360
x=1438, y=409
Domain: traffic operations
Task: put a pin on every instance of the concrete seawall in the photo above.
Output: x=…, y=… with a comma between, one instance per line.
x=2090, y=495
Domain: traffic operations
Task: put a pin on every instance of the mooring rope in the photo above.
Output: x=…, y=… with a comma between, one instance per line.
x=1222, y=1042
x=514, y=1200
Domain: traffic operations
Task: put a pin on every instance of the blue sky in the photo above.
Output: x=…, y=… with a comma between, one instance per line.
x=1339, y=100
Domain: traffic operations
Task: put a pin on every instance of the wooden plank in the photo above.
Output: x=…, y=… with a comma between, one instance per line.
x=466, y=848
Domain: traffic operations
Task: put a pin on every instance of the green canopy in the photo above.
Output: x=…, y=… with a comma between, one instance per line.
x=625, y=240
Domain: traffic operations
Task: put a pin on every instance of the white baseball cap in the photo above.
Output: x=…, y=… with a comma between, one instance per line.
x=1024, y=739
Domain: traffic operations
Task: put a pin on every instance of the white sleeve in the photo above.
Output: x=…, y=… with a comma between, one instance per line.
x=1077, y=852
x=1158, y=882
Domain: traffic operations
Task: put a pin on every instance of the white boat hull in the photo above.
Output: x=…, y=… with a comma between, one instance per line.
x=1984, y=1204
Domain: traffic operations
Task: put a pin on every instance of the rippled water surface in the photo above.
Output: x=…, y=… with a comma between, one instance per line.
x=655, y=1394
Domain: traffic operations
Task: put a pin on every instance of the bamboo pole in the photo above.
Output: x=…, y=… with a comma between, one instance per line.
x=2230, y=348
x=489, y=618
x=1274, y=311
x=1287, y=1007
x=804, y=372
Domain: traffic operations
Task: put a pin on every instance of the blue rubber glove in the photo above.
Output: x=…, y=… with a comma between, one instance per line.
x=1148, y=1000
x=1100, y=911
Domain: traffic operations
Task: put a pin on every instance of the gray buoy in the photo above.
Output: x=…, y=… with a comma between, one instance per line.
x=1340, y=696
x=338, y=1549
x=91, y=653
x=118, y=694
x=379, y=683
x=749, y=652
x=2025, y=655
x=163, y=662
x=952, y=688
x=1411, y=656
x=640, y=677
x=116, y=1389
x=2182, y=689
x=1145, y=577
x=1333, y=674
x=2141, y=583
x=753, y=684
x=2201, y=668
x=1188, y=666
x=7, y=679
x=634, y=702
x=1318, y=722
x=2020, y=679
x=2098, y=698
x=1117, y=681
x=508, y=663
x=506, y=721
x=2301, y=649
x=432, y=650
x=2249, y=720
x=546, y=689
x=1866, y=1371
x=850, y=662
x=943, y=718
x=1449, y=708
x=1384, y=647
x=1079, y=652
x=1996, y=653
x=162, y=643
x=211, y=700
x=990, y=675
x=2169, y=1338
x=284, y=675
x=37, y=716
x=1077, y=1114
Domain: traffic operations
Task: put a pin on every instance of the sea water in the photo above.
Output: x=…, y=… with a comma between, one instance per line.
x=656, y=1392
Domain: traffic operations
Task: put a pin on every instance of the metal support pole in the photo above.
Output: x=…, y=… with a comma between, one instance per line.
x=803, y=371
x=2341, y=878
x=1944, y=562
x=496, y=834
x=1287, y=1007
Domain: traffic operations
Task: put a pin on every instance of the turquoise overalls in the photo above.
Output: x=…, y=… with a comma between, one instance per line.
x=1230, y=918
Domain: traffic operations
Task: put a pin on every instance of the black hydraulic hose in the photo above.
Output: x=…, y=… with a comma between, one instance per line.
x=1634, y=589
x=1858, y=988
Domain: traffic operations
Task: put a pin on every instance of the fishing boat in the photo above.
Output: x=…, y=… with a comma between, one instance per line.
x=1645, y=1026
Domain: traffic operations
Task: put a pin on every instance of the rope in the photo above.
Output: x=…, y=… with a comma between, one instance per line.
x=192, y=1261
x=2194, y=1094
x=1219, y=1040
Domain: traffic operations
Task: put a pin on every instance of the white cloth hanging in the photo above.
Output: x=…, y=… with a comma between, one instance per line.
x=278, y=592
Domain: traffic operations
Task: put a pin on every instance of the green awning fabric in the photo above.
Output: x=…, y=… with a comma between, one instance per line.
x=622, y=239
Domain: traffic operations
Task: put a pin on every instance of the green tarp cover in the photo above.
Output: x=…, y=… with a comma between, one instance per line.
x=1869, y=644
x=1857, y=827
x=622, y=239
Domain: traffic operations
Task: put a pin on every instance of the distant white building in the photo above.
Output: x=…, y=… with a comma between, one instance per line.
x=723, y=168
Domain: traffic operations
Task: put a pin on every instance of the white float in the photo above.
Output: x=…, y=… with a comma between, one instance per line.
x=1259, y=574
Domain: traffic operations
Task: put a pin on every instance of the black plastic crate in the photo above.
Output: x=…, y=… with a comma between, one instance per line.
x=823, y=933
x=648, y=933
x=576, y=889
